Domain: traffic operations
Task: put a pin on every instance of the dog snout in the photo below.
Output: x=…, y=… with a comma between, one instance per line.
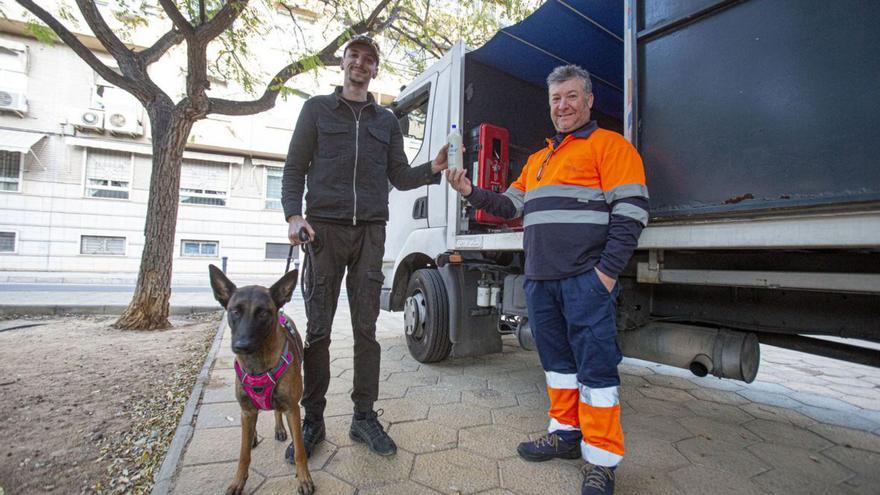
x=241, y=346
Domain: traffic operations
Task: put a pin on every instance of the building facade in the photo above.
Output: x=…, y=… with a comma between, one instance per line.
x=75, y=164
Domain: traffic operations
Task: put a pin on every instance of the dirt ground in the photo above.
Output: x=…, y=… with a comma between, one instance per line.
x=86, y=408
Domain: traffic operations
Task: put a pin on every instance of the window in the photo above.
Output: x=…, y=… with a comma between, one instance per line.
x=412, y=115
x=204, y=183
x=279, y=250
x=10, y=171
x=13, y=56
x=108, y=174
x=273, y=188
x=199, y=249
x=7, y=242
x=102, y=245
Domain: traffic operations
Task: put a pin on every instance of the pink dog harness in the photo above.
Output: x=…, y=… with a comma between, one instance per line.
x=261, y=387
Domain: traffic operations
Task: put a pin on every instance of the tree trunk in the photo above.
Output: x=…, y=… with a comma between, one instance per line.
x=149, y=306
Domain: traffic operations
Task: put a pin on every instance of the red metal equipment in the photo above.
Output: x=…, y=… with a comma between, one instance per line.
x=490, y=166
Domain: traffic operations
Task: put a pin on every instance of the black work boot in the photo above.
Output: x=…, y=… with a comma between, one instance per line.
x=365, y=427
x=313, y=432
x=551, y=446
x=598, y=480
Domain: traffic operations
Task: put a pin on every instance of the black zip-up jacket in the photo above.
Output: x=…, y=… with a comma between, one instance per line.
x=348, y=156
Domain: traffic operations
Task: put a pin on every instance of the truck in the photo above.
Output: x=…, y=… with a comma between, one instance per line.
x=756, y=121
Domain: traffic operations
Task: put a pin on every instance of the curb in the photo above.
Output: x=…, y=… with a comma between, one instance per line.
x=98, y=309
x=163, y=478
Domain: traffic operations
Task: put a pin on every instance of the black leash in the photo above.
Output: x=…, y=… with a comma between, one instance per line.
x=309, y=279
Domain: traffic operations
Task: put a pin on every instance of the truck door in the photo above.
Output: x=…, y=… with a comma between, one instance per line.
x=408, y=209
x=447, y=111
x=424, y=109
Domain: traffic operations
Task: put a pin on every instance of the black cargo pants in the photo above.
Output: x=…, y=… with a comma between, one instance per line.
x=359, y=250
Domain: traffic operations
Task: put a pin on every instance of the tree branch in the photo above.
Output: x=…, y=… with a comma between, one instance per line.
x=81, y=50
x=103, y=32
x=177, y=18
x=222, y=20
x=267, y=100
x=326, y=56
x=416, y=41
x=155, y=52
x=370, y=22
x=296, y=27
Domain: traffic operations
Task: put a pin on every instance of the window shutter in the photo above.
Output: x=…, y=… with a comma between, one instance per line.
x=199, y=174
x=109, y=165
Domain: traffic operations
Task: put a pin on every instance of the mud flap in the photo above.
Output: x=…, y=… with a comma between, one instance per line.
x=470, y=335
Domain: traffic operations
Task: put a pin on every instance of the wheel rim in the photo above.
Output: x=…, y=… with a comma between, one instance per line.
x=414, y=315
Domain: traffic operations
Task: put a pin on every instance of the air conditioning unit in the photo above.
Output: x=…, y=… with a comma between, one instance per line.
x=12, y=101
x=124, y=121
x=87, y=120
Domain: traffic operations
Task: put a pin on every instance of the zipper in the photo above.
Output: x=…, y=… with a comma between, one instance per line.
x=553, y=149
x=357, y=139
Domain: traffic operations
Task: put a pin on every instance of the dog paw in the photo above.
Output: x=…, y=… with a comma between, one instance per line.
x=281, y=435
x=306, y=487
x=235, y=488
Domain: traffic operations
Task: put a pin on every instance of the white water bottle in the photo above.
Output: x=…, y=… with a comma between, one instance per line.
x=453, y=153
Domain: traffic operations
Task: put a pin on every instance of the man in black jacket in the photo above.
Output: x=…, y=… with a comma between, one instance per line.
x=347, y=148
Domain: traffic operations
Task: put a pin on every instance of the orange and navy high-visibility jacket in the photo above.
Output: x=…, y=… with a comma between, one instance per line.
x=584, y=203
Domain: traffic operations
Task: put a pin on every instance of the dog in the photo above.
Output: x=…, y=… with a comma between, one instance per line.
x=268, y=367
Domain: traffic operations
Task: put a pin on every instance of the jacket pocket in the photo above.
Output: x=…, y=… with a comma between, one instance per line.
x=333, y=139
x=377, y=142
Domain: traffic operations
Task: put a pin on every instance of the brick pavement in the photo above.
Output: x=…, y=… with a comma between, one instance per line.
x=807, y=425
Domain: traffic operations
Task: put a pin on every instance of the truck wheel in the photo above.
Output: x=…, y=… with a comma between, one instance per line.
x=426, y=317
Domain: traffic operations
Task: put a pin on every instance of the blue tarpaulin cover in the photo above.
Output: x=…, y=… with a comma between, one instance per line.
x=588, y=33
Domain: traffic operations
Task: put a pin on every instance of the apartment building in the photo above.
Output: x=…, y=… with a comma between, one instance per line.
x=75, y=164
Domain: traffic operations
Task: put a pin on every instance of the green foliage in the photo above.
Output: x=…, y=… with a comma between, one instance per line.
x=412, y=33
x=231, y=60
x=422, y=31
x=41, y=32
x=133, y=15
x=415, y=32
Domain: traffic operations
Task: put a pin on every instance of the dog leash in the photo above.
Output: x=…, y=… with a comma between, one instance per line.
x=309, y=279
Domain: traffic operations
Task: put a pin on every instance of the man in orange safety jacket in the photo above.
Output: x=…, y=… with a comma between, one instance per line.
x=584, y=204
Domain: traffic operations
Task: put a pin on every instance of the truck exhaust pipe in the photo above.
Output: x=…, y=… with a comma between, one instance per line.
x=723, y=353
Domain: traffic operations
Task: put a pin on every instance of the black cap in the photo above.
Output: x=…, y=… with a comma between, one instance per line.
x=362, y=39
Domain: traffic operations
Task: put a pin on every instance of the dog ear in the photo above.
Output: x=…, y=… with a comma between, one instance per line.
x=282, y=290
x=223, y=287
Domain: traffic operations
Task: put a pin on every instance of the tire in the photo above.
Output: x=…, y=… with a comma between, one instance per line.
x=426, y=317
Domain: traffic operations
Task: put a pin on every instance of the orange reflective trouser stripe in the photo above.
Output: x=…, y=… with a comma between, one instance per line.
x=599, y=412
x=563, y=408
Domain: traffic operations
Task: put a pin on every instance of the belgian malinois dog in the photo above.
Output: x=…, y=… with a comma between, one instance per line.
x=264, y=350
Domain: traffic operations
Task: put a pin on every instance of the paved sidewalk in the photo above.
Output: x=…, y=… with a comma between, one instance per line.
x=807, y=425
